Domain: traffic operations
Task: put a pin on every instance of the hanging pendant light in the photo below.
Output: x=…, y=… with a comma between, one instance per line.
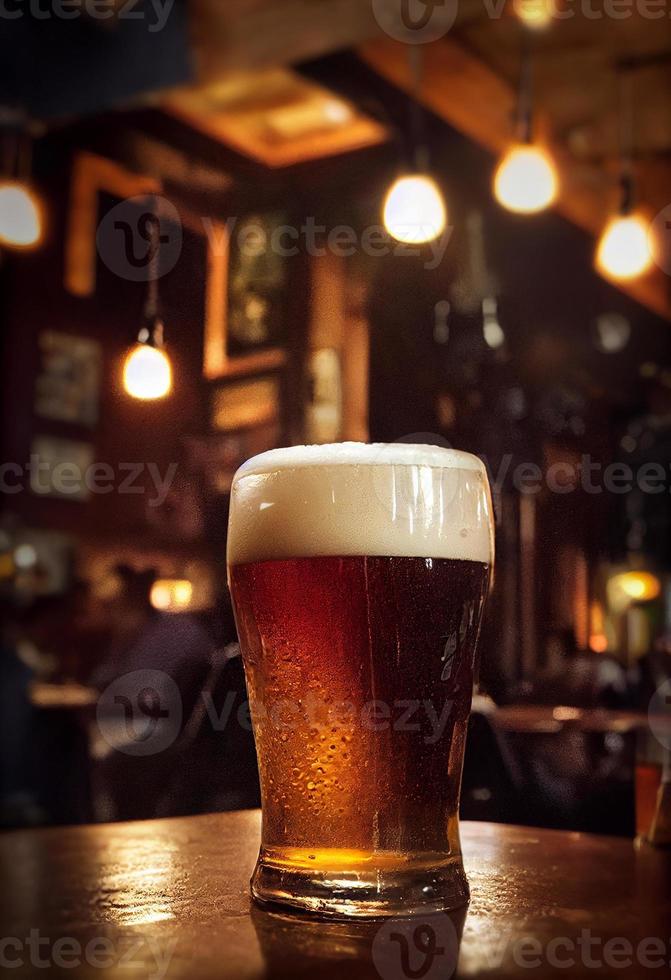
x=147, y=370
x=414, y=208
x=624, y=249
x=526, y=180
x=537, y=15
x=21, y=210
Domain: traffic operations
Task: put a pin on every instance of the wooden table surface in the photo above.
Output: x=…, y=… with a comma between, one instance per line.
x=547, y=719
x=169, y=898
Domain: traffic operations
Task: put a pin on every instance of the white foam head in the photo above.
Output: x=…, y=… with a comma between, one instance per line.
x=353, y=499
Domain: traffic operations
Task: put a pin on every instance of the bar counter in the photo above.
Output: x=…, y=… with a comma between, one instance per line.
x=169, y=898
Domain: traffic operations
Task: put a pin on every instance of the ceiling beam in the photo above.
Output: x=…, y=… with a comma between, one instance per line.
x=248, y=35
x=468, y=95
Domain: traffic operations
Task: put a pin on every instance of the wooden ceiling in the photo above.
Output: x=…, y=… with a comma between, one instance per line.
x=275, y=117
x=576, y=65
x=470, y=79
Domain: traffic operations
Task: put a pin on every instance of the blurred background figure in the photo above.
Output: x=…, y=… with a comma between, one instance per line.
x=165, y=668
x=143, y=638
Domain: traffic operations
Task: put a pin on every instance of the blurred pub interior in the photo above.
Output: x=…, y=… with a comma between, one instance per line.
x=164, y=162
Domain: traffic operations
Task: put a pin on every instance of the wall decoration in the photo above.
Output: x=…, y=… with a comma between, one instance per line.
x=50, y=570
x=60, y=468
x=245, y=302
x=91, y=175
x=246, y=404
x=256, y=285
x=67, y=388
x=323, y=417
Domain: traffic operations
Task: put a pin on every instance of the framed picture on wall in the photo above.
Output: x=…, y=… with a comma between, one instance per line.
x=67, y=388
x=246, y=404
x=323, y=413
x=60, y=467
x=256, y=286
x=246, y=321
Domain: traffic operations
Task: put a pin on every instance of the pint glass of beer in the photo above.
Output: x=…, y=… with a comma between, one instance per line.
x=358, y=575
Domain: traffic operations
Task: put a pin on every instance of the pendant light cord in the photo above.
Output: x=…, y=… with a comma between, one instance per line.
x=525, y=95
x=152, y=331
x=151, y=302
x=626, y=141
x=419, y=152
x=17, y=147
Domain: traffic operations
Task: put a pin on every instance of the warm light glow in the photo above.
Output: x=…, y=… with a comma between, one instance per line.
x=25, y=556
x=414, y=210
x=624, y=249
x=526, y=180
x=566, y=713
x=336, y=112
x=20, y=216
x=638, y=586
x=598, y=641
x=536, y=14
x=171, y=595
x=147, y=373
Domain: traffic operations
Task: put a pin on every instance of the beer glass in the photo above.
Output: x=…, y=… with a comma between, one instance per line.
x=358, y=576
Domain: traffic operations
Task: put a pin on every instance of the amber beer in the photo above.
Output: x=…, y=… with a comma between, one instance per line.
x=358, y=576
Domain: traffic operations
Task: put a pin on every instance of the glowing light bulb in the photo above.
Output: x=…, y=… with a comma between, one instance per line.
x=536, y=14
x=171, y=595
x=414, y=210
x=20, y=216
x=638, y=586
x=25, y=556
x=147, y=373
x=526, y=180
x=624, y=250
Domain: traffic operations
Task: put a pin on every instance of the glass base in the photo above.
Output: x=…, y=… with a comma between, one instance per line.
x=376, y=886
